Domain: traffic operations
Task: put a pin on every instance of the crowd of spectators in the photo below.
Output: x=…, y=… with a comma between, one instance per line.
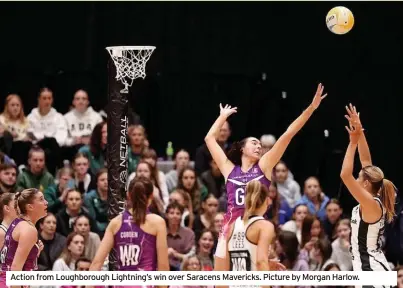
x=65, y=157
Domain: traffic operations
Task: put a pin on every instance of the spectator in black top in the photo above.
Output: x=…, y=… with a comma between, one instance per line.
x=334, y=213
x=8, y=178
x=213, y=180
x=53, y=243
x=74, y=208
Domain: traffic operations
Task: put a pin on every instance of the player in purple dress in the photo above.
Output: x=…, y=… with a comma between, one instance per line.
x=245, y=163
x=138, y=237
x=21, y=248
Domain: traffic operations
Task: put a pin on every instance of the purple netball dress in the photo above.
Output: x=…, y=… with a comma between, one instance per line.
x=135, y=249
x=8, y=252
x=235, y=186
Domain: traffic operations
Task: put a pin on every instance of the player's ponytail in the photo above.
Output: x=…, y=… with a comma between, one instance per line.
x=140, y=191
x=256, y=195
x=388, y=198
x=383, y=188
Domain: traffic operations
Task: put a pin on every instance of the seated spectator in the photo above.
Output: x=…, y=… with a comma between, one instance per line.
x=96, y=201
x=150, y=156
x=399, y=270
x=187, y=181
x=83, y=264
x=7, y=214
x=279, y=212
x=341, y=246
x=213, y=180
x=218, y=222
x=334, y=214
x=137, y=137
x=205, y=247
x=191, y=263
x=73, y=250
x=205, y=220
x=53, y=243
x=81, y=121
x=182, y=161
x=84, y=181
x=36, y=174
x=8, y=179
x=4, y=159
x=288, y=188
x=322, y=252
x=91, y=239
x=183, y=198
x=48, y=128
x=145, y=170
x=56, y=194
x=314, y=198
x=295, y=225
x=287, y=250
x=96, y=150
x=181, y=240
x=15, y=127
x=203, y=156
x=68, y=215
x=311, y=231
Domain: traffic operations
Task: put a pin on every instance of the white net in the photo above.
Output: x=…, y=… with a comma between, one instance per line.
x=130, y=62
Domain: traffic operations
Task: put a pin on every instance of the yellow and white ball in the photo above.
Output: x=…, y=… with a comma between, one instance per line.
x=340, y=20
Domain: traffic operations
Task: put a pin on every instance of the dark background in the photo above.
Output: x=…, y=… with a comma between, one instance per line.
x=209, y=53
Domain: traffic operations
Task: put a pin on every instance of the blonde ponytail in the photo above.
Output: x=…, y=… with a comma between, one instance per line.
x=388, y=198
x=256, y=195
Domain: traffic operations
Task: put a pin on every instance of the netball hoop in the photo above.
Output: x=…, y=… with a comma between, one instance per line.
x=126, y=64
x=130, y=62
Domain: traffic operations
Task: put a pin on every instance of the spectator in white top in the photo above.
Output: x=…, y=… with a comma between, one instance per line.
x=81, y=120
x=287, y=186
x=182, y=160
x=48, y=128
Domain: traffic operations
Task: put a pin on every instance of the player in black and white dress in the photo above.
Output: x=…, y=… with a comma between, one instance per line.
x=250, y=236
x=376, y=197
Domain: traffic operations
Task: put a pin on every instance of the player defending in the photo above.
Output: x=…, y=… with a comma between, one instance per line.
x=138, y=237
x=376, y=198
x=245, y=163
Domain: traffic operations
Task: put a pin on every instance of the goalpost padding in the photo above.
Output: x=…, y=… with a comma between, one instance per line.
x=117, y=148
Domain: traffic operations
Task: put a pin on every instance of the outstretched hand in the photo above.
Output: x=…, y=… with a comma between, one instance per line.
x=318, y=96
x=227, y=110
x=355, y=133
x=353, y=117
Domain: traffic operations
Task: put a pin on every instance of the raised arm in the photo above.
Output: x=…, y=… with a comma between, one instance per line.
x=271, y=158
x=362, y=196
x=363, y=148
x=215, y=149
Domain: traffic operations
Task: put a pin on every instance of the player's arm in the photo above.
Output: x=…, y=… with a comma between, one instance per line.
x=28, y=236
x=273, y=156
x=363, y=149
x=362, y=196
x=106, y=245
x=215, y=149
x=2, y=235
x=162, y=246
x=265, y=238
